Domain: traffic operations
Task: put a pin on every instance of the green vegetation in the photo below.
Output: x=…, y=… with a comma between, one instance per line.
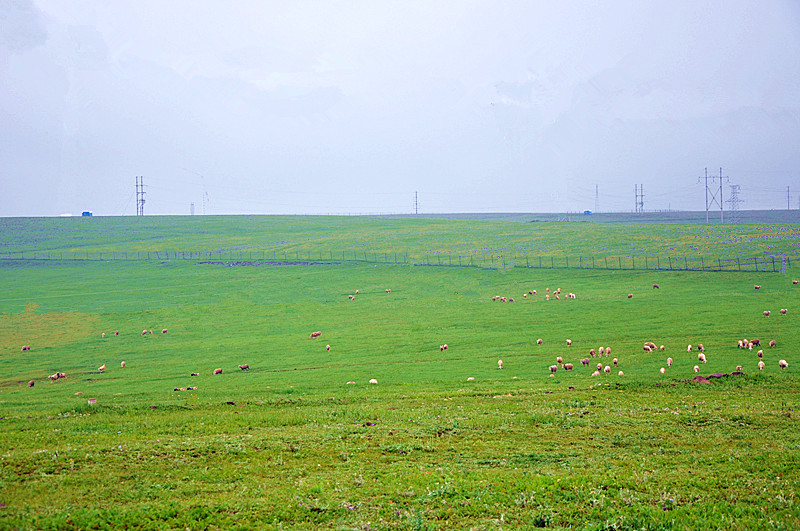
x=290, y=443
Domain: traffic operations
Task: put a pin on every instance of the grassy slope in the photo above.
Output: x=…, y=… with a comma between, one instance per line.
x=297, y=445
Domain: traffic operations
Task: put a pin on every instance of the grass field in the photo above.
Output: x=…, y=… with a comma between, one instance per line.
x=290, y=443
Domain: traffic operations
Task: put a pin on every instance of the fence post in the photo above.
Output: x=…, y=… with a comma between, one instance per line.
x=619, y=261
x=552, y=262
x=702, y=264
x=783, y=263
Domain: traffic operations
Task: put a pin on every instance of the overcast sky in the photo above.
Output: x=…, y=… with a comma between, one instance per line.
x=317, y=107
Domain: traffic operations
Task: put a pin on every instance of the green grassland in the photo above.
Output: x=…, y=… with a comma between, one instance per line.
x=290, y=443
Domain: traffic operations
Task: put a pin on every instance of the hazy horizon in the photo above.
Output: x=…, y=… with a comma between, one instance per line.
x=260, y=107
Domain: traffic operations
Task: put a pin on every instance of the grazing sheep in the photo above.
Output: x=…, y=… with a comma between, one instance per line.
x=26, y=348
x=739, y=367
x=689, y=348
x=795, y=282
x=471, y=379
x=607, y=369
x=782, y=364
x=524, y=295
x=122, y=364
x=30, y=384
x=102, y=367
x=328, y=348
x=599, y=366
x=615, y=361
x=315, y=334
x=596, y=373
x=761, y=365
x=103, y=335
x=757, y=286
x=760, y=353
x=511, y=299
x=783, y=311
x=499, y=364
x=350, y=383
x=539, y=341
x=373, y=381
x=445, y=346
x=630, y=295
x=567, y=366
x=741, y=344
x=701, y=358
x=591, y=352
x=608, y=351
x=351, y=297
x=547, y=297
x=244, y=367
x=387, y=291
x=559, y=360
x=669, y=362
x=696, y=368
x=756, y=342
x=662, y=348
x=766, y=313
x=553, y=369
x=620, y=373
x=585, y=361
x=601, y=351
x=195, y=374
x=647, y=348
x=655, y=286
x=772, y=343
x=662, y=370
x=534, y=291
x=217, y=371
x=163, y=330
x=144, y=332
x=441, y=348
x=700, y=347
x=53, y=377
x=116, y=332
x=569, y=342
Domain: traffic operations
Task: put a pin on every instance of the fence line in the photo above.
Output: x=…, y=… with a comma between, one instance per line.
x=764, y=263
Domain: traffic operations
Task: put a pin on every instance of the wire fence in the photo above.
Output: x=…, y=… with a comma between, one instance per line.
x=763, y=264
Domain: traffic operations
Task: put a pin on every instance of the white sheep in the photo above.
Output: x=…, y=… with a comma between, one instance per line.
x=696, y=368
x=761, y=365
x=701, y=357
x=122, y=364
x=499, y=364
x=782, y=364
x=669, y=362
x=374, y=381
x=662, y=370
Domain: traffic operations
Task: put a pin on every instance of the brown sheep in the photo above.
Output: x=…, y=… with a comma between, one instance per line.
x=760, y=353
x=630, y=295
x=772, y=343
x=567, y=366
x=585, y=361
x=163, y=330
x=315, y=334
x=217, y=371
x=244, y=367
x=559, y=360
x=756, y=342
x=766, y=313
x=553, y=369
x=539, y=341
x=591, y=352
x=783, y=311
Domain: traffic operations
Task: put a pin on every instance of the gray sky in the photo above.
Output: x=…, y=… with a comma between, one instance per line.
x=318, y=107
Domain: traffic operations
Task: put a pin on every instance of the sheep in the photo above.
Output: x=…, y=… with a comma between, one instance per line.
x=30, y=384
x=553, y=369
x=567, y=366
x=511, y=299
x=122, y=364
x=620, y=373
x=761, y=365
x=539, y=341
x=144, y=332
x=547, y=297
x=53, y=377
x=662, y=370
x=585, y=362
x=387, y=291
x=739, y=367
x=655, y=286
x=591, y=352
x=569, y=342
x=534, y=291
x=195, y=374
x=772, y=343
x=61, y=375
x=689, y=348
x=328, y=348
x=524, y=295
x=766, y=313
x=630, y=295
x=662, y=348
x=373, y=381
x=756, y=342
x=782, y=364
x=103, y=335
x=795, y=282
x=559, y=360
x=669, y=362
x=163, y=330
x=25, y=348
x=696, y=368
x=700, y=347
x=783, y=311
x=350, y=383
x=315, y=334
x=471, y=379
x=757, y=286
x=607, y=369
x=741, y=344
x=441, y=348
x=615, y=361
x=351, y=297
x=608, y=351
x=217, y=371
x=244, y=367
x=499, y=364
x=116, y=332
x=599, y=366
x=760, y=353
x=444, y=346
x=596, y=373
x=701, y=358
x=647, y=348
x=102, y=367
x=601, y=351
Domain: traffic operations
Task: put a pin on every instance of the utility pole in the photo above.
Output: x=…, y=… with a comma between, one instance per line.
x=787, y=199
x=416, y=203
x=140, y=196
x=715, y=194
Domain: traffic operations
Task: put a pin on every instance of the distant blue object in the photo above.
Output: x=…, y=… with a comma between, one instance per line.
x=86, y=213
x=586, y=212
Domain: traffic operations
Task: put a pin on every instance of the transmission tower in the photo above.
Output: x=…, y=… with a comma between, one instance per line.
x=733, y=201
x=140, y=196
x=638, y=190
x=714, y=193
x=416, y=203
